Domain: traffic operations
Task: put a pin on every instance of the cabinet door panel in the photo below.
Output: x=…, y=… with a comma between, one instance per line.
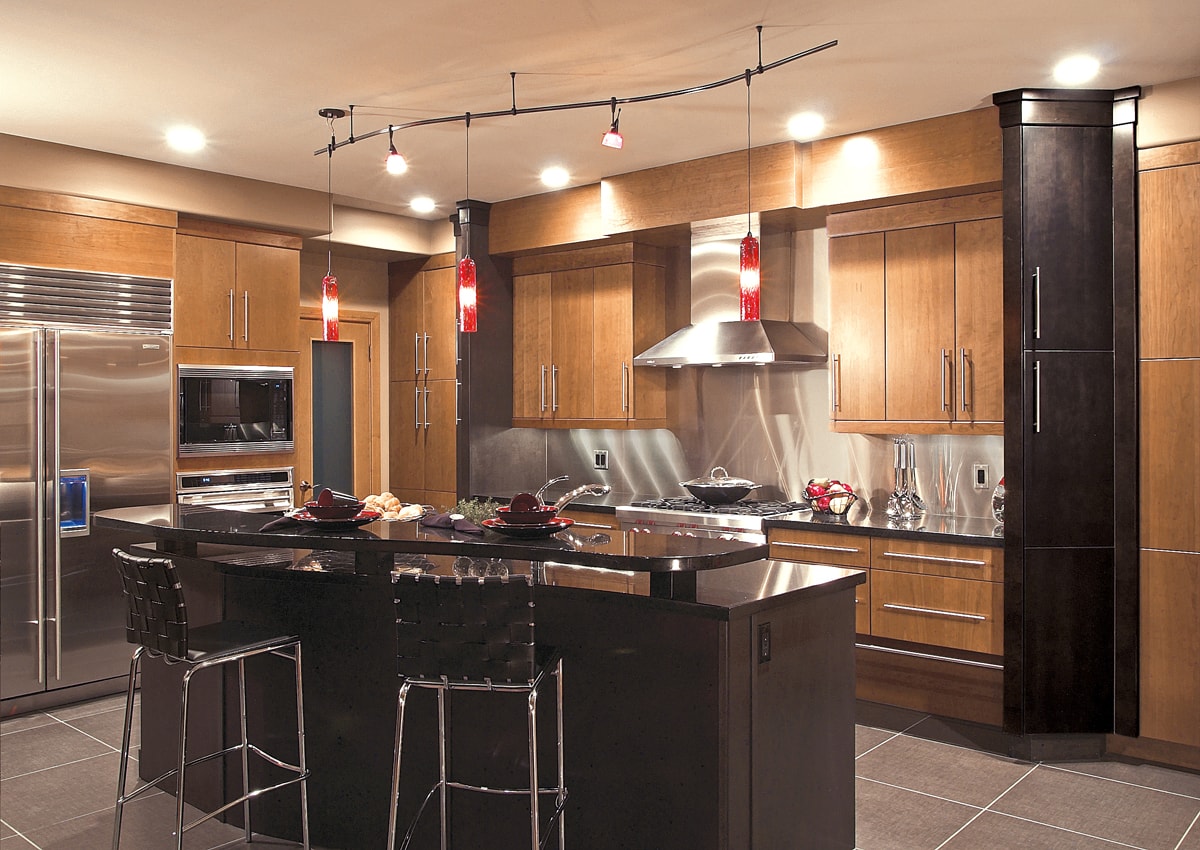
x=1069, y=468
x=205, y=289
x=407, y=437
x=440, y=430
x=1169, y=257
x=406, y=314
x=856, y=330
x=1068, y=199
x=531, y=346
x=1170, y=646
x=978, y=325
x=268, y=301
x=612, y=323
x=952, y=612
x=1170, y=455
x=440, y=317
x=572, y=342
x=920, y=324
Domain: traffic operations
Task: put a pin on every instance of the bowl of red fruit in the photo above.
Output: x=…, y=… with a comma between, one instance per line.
x=829, y=496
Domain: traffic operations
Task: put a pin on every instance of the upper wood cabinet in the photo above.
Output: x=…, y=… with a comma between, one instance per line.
x=1169, y=258
x=579, y=317
x=422, y=306
x=915, y=331
x=235, y=294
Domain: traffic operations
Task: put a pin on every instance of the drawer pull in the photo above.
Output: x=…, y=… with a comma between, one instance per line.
x=912, y=609
x=971, y=562
x=820, y=547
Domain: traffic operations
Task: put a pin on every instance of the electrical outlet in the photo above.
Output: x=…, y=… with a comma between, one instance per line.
x=980, y=476
x=764, y=643
x=600, y=459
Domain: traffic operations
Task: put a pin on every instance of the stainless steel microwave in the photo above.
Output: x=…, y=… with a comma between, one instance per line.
x=235, y=409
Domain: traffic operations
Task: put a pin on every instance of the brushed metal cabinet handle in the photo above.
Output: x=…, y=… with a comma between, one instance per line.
x=231, y=315
x=1037, y=397
x=624, y=386
x=818, y=547
x=57, y=506
x=553, y=388
x=426, y=354
x=417, y=409
x=40, y=448
x=246, y=316
x=970, y=562
x=837, y=380
x=1037, y=302
x=937, y=612
x=426, y=408
x=417, y=354
x=542, y=391
x=944, y=356
x=962, y=380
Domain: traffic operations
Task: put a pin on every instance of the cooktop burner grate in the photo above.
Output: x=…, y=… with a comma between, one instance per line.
x=746, y=507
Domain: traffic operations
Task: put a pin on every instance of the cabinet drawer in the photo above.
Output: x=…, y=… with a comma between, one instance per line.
x=819, y=547
x=985, y=563
x=950, y=612
x=862, y=606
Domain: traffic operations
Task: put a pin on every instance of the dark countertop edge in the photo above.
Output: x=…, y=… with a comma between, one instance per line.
x=874, y=526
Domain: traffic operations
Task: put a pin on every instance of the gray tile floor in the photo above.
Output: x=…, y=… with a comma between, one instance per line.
x=58, y=775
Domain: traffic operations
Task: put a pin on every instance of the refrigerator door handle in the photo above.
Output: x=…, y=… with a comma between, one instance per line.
x=57, y=511
x=40, y=501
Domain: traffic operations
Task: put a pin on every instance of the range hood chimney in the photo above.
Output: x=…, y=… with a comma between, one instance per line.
x=715, y=336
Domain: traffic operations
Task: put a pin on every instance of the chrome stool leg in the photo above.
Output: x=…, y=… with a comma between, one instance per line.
x=441, y=695
x=300, y=737
x=241, y=665
x=535, y=826
x=401, y=699
x=182, y=762
x=134, y=663
x=560, y=798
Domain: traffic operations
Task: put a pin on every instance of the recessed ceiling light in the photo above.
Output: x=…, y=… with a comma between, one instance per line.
x=185, y=139
x=422, y=205
x=805, y=125
x=1076, y=70
x=555, y=177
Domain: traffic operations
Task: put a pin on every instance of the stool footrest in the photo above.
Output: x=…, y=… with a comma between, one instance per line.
x=249, y=796
x=524, y=792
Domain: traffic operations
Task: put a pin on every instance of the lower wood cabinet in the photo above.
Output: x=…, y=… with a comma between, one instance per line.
x=840, y=550
x=956, y=613
x=1169, y=691
x=423, y=442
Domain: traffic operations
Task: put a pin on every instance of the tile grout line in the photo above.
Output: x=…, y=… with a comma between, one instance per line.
x=64, y=764
x=23, y=836
x=67, y=723
x=1112, y=841
x=893, y=736
x=988, y=807
x=915, y=791
x=1123, y=782
x=1194, y=825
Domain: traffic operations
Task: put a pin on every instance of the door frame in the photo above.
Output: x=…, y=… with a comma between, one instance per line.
x=369, y=407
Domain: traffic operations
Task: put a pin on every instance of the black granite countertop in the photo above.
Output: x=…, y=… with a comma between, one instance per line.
x=376, y=545
x=973, y=531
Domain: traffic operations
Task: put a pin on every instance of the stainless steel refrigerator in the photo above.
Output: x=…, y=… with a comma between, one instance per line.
x=85, y=425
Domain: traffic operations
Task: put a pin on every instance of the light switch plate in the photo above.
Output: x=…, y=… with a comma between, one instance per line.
x=600, y=458
x=980, y=475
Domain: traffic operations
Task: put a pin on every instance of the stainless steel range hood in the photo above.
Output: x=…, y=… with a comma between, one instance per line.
x=716, y=337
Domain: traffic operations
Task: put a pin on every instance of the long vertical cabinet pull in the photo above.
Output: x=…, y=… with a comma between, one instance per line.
x=553, y=388
x=1037, y=397
x=417, y=409
x=231, y=315
x=962, y=380
x=837, y=379
x=246, y=316
x=1037, y=302
x=426, y=354
x=624, y=386
x=426, y=394
x=945, y=355
x=417, y=355
x=542, y=398
x=57, y=507
x=40, y=477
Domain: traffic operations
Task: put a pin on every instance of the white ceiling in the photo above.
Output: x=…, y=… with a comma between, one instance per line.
x=112, y=76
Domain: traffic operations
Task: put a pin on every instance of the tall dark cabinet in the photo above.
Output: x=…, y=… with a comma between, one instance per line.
x=1070, y=450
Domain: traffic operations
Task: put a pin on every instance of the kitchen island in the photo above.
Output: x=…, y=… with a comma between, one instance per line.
x=719, y=720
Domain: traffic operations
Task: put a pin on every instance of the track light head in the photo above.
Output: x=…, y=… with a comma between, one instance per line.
x=395, y=162
x=613, y=138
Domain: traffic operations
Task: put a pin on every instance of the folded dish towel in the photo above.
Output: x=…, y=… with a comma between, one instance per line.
x=281, y=523
x=455, y=521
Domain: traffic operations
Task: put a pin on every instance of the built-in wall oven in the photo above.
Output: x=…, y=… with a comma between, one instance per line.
x=235, y=409
x=253, y=490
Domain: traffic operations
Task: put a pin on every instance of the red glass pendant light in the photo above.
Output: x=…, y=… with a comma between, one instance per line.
x=467, y=315
x=750, y=302
x=329, y=309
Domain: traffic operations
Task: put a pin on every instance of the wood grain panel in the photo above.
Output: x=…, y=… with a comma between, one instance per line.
x=586, y=258
x=1169, y=156
x=921, y=214
x=883, y=427
x=857, y=327
x=87, y=207
x=1169, y=258
x=955, y=560
x=1170, y=455
x=978, y=327
x=572, y=341
x=649, y=384
x=238, y=233
x=268, y=301
x=441, y=436
x=406, y=465
x=531, y=346
x=820, y=547
x=945, y=611
x=205, y=287
x=700, y=189
x=565, y=217
x=959, y=150
x=930, y=685
x=65, y=241
x=920, y=326
x=612, y=330
x=1170, y=647
x=440, y=320
x=406, y=317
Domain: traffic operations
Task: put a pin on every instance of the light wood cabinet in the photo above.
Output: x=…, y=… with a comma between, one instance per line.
x=231, y=294
x=841, y=550
x=915, y=331
x=422, y=308
x=954, y=560
x=1170, y=646
x=578, y=319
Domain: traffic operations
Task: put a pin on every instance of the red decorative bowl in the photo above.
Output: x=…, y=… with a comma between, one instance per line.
x=540, y=515
x=343, y=510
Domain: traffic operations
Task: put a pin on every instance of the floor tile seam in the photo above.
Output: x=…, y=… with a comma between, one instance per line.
x=69, y=725
x=158, y=793
x=922, y=793
x=22, y=835
x=49, y=722
x=964, y=748
x=64, y=764
x=892, y=737
x=1124, y=782
x=986, y=808
x=1195, y=825
x=1093, y=836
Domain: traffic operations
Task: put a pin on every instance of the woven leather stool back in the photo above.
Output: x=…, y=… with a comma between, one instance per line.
x=157, y=616
x=460, y=629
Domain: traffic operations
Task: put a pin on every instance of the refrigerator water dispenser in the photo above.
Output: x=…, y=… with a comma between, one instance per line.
x=73, y=503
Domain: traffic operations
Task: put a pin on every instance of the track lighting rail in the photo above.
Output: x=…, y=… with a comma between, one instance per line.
x=741, y=76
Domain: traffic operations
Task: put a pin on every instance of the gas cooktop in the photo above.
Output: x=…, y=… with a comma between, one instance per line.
x=745, y=507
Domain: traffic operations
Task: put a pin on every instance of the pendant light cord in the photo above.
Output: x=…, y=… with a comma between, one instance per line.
x=467, y=173
x=329, y=196
x=748, y=206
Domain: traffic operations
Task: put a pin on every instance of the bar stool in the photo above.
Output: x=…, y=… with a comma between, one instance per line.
x=473, y=633
x=157, y=623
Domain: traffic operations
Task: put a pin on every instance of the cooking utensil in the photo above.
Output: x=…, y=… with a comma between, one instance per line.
x=548, y=485
x=714, y=489
x=584, y=490
x=538, y=515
